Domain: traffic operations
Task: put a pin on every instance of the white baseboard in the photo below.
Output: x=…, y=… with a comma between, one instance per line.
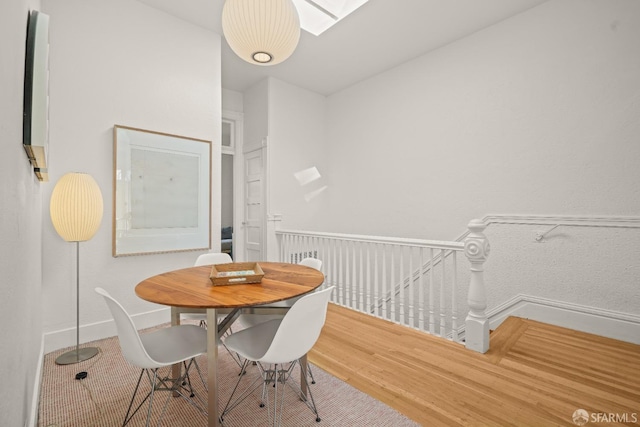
x=63, y=338
x=35, y=396
x=607, y=323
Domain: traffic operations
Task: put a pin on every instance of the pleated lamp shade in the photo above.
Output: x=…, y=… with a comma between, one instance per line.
x=262, y=32
x=76, y=207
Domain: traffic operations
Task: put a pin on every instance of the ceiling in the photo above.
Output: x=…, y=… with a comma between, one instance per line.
x=380, y=35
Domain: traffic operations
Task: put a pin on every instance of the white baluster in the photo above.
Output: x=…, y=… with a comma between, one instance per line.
x=422, y=303
x=283, y=254
x=334, y=269
x=454, y=290
x=476, y=248
x=368, y=288
x=392, y=288
x=306, y=249
x=401, y=315
x=294, y=247
x=340, y=277
x=442, y=295
x=412, y=320
x=360, y=283
x=432, y=318
x=354, y=277
x=289, y=248
x=347, y=274
x=383, y=296
x=322, y=254
x=376, y=279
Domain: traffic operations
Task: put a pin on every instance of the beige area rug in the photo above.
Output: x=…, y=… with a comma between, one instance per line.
x=103, y=397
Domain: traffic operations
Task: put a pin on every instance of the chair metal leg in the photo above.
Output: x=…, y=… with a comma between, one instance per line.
x=311, y=405
x=231, y=403
x=181, y=385
x=276, y=377
x=153, y=389
x=310, y=402
x=127, y=418
x=175, y=386
x=313, y=381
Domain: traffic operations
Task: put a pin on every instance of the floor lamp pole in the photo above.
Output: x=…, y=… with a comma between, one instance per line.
x=79, y=354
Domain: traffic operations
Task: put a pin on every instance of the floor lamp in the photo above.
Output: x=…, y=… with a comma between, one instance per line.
x=76, y=212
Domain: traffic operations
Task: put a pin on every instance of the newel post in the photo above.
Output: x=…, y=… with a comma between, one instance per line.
x=476, y=249
x=273, y=244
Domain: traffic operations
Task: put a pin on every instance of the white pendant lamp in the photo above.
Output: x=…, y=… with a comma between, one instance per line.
x=262, y=32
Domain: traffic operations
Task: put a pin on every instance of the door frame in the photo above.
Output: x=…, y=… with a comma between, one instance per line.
x=237, y=120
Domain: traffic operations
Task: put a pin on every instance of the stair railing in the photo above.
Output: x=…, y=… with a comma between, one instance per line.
x=412, y=282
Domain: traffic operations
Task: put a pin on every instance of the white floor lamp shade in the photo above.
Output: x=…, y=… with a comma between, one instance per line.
x=76, y=207
x=76, y=211
x=262, y=32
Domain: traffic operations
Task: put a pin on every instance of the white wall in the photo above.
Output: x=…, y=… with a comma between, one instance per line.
x=20, y=227
x=296, y=143
x=538, y=114
x=586, y=266
x=293, y=120
x=256, y=114
x=119, y=62
x=535, y=115
x=232, y=100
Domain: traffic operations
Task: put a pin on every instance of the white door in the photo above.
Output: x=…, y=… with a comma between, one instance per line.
x=254, y=209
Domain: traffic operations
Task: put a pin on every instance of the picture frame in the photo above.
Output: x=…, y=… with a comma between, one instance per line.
x=161, y=192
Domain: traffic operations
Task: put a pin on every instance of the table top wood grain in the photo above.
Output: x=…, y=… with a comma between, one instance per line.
x=192, y=288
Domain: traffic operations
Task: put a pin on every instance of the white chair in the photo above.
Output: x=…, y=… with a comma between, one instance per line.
x=251, y=319
x=207, y=259
x=276, y=346
x=159, y=349
x=312, y=262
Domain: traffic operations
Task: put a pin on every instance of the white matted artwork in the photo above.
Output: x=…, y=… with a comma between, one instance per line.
x=161, y=192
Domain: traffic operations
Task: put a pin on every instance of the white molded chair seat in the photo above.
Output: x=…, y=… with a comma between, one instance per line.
x=186, y=339
x=159, y=349
x=280, y=342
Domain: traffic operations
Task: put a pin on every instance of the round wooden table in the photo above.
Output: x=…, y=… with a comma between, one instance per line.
x=191, y=288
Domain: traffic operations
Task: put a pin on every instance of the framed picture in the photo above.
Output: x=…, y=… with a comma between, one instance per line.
x=161, y=192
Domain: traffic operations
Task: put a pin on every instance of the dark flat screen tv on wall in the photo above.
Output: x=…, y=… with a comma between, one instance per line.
x=35, y=126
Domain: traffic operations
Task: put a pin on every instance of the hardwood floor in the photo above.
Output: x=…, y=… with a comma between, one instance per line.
x=534, y=374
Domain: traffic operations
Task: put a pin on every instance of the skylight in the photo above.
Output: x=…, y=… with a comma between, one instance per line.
x=317, y=16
